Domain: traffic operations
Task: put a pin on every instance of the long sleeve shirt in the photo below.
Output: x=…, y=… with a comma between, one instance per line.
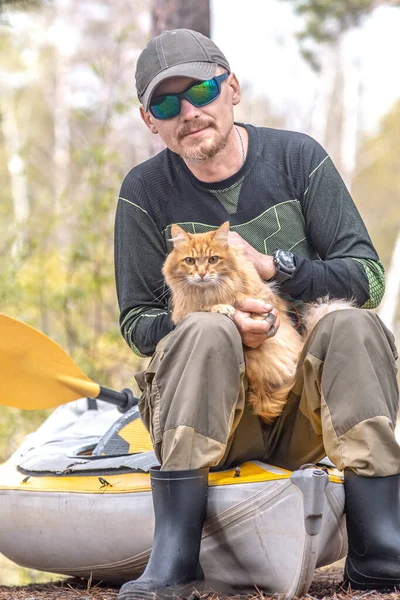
x=288, y=194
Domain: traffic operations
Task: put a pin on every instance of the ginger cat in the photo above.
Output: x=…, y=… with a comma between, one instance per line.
x=205, y=273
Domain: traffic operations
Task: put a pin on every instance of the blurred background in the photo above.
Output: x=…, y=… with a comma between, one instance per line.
x=70, y=130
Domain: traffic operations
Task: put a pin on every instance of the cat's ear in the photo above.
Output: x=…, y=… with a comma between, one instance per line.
x=222, y=233
x=178, y=235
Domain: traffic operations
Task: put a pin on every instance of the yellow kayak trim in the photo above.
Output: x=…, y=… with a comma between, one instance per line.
x=137, y=437
x=125, y=483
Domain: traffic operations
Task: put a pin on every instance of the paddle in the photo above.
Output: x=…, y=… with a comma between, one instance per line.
x=36, y=373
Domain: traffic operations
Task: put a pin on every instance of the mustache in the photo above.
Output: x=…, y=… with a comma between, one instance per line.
x=193, y=126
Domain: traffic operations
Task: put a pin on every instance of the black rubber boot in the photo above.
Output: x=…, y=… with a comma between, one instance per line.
x=373, y=528
x=180, y=504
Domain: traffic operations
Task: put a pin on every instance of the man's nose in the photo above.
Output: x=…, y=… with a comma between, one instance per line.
x=188, y=110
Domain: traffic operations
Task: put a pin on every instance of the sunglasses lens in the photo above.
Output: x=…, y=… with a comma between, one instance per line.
x=165, y=107
x=203, y=93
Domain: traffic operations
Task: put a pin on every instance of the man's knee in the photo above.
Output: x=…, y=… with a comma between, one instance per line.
x=209, y=322
x=353, y=318
x=210, y=331
x=352, y=328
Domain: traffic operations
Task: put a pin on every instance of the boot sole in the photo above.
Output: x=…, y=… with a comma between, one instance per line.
x=359, y=581
x=181, y=591
x=144, y=595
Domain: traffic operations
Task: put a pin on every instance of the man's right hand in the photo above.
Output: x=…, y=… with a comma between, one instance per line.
x=263, y=263
x=255, y=331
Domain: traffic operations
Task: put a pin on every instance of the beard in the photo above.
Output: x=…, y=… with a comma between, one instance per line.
x=205, y=150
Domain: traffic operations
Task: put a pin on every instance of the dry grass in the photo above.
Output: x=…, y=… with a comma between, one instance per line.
x=326, y=586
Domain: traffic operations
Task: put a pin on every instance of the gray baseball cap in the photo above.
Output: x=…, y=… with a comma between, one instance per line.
x=178, y=52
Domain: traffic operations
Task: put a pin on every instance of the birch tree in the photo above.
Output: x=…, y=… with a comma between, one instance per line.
x=16, y=168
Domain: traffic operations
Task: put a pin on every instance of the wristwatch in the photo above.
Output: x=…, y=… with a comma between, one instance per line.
x=284, y=264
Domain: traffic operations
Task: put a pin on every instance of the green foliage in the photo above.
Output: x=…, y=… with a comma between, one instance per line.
x=14, y=426
x=325, y=20
x=376, y=190
x=21, y=3
x=60, y=277
x=376, y=186
x=16, y=4
x=12, y=574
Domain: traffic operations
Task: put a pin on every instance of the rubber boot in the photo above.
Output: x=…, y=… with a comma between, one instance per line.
x=373, y=528
x=180, y=504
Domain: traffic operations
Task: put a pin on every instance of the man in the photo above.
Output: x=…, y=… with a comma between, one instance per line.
x=290, y=212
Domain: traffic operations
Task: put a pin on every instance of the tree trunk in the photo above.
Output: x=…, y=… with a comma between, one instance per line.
x=16, y=168
x=177, y=14
x=61, y=115
x=335, y=111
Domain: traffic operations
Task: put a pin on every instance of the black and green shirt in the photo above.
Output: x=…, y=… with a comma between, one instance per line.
x=288, y=194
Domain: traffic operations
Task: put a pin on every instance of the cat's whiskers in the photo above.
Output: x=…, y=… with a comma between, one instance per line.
x=180, y=289
x=225, y=294
x=165, y=291
x=161, y=287
x=163, y=295
x=197, y=280
x=221, y=284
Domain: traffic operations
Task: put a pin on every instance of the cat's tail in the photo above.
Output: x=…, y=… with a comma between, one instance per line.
x=321, y=307
x=268, y=405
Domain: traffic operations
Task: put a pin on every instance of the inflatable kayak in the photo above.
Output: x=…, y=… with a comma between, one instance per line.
x=75, y=499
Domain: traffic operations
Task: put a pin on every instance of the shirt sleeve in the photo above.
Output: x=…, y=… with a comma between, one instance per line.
x=139, y=255
x=348, y=265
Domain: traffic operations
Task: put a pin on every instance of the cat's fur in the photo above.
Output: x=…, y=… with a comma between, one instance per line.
x=270, y=367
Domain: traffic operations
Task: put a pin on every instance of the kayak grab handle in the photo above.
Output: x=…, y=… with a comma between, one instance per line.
x=123, y=400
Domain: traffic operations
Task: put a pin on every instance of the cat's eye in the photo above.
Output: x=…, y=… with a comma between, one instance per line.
x=189, y=260
x=213, y=259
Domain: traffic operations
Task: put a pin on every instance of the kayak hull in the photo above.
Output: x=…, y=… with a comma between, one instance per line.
x=265, y=526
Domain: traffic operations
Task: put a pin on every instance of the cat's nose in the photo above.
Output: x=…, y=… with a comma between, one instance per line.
x=202, y=275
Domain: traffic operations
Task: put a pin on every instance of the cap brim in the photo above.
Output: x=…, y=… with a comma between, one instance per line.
x=198, y=70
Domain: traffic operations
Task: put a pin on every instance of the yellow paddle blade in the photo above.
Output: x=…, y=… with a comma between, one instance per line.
x=35, y=372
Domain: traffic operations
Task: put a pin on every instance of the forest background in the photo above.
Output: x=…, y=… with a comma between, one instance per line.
x=70, y=130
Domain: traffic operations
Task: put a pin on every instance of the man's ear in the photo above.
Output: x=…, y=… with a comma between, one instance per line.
x=148, y=120
x=235, y=85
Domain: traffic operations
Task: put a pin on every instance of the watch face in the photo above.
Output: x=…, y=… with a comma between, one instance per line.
x=286, y=260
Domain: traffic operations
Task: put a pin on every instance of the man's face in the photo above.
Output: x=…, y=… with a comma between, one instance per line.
x=196, y=133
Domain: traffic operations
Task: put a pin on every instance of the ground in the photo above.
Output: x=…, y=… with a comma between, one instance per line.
x=326, y=586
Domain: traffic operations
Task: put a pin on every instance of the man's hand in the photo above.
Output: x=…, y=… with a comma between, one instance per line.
x=255, y=331
x=263, y=263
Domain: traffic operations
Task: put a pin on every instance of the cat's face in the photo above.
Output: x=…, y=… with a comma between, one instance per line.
x=203, y=260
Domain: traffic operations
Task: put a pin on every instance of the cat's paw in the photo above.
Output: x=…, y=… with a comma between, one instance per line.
x=224, y=309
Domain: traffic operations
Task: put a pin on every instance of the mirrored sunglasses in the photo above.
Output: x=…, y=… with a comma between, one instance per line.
x=199, y=94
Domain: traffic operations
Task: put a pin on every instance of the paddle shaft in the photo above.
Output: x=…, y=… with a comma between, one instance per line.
x=124, y=400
